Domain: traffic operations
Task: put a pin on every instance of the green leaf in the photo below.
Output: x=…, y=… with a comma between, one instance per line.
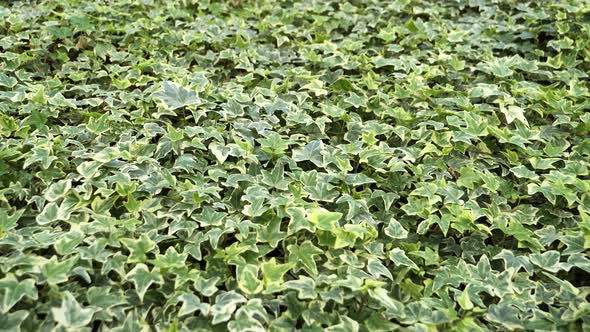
x=275, y=178
x=9, y=222
x=324, y=220
x=210, y=217
x=174, y=96
x=298, y=221
x=273, y=143
x=382, y=296
x=273, y=275
x=312, y=151
x=89, y=169
x=355, y=100
x=548, y=260
x=49, y=214
x=248, y=280
x=138, y=248
x=143, y=278
x=464, y=301
x=12, y=291
x=317, y=87
x=7, y=81
x=304, y=255
x=55, y=271
x=304, y=286
x=524, y=172
x=220, y=152
x=377, y=269
x=504, y=315
x=11, y=322
x=71, y=314
x=170, y=260
x=225, y=305
x=42, y=156
x=57, y=190
x=398, y=256
x=513, y=112
x=346, y=325
x=190, y=304
x=395, y=230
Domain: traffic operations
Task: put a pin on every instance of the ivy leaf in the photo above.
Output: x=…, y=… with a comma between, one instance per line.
x=71, y=314
x=304, y=254
x=170, y=260
x=298, y=221
x=210, y=217
x=143, y=278
x=89, y=169
x=57, y=190
x=12, y=291
x=355, y=100
x=304, y=286
x=273, y=275
x=504, y=315
x=381, y=295
x=346, y=325
x=274, y=144
x=275, y=178
x=138, y=248
x=316, y=86
x=524, y=172
x=49, y=214
x=513, y=112
x=10, y=322
x=248, y=280
x=190, y=304
x=322, y=192
x=464, y=301
x=312, y=151
x=244, y=322
x=324, y=219
x=56, y=271
x=42, y=156
x=9, y=222
x=175, y=96
x=395, y=230
x=225, y=305
x=548, y=260
x=377, y=269
x=7, y=81
x=220, y=152
x=398, y=256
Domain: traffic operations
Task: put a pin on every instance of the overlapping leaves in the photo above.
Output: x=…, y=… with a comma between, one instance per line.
x=309, y=165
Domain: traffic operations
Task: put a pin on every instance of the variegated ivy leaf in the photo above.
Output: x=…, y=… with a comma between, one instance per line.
x=174, y=95
x=225, y=305
x=12, y=291
x=324, y=220
x=58, y=190
x=304, y=255
x=192, y=303
x=9, y=221
x=273, y=273
x=138, y=248
x=294, y=165
x=13, y=321
x=142, y=278
x=396, y=230
x=398, y=256
x=71, y=314
x=57, y=271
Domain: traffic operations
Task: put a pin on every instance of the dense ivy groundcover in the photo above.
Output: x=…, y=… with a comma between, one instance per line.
x=294, y=165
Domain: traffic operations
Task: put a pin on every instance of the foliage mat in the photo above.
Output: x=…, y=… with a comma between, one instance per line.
x=308, y=165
